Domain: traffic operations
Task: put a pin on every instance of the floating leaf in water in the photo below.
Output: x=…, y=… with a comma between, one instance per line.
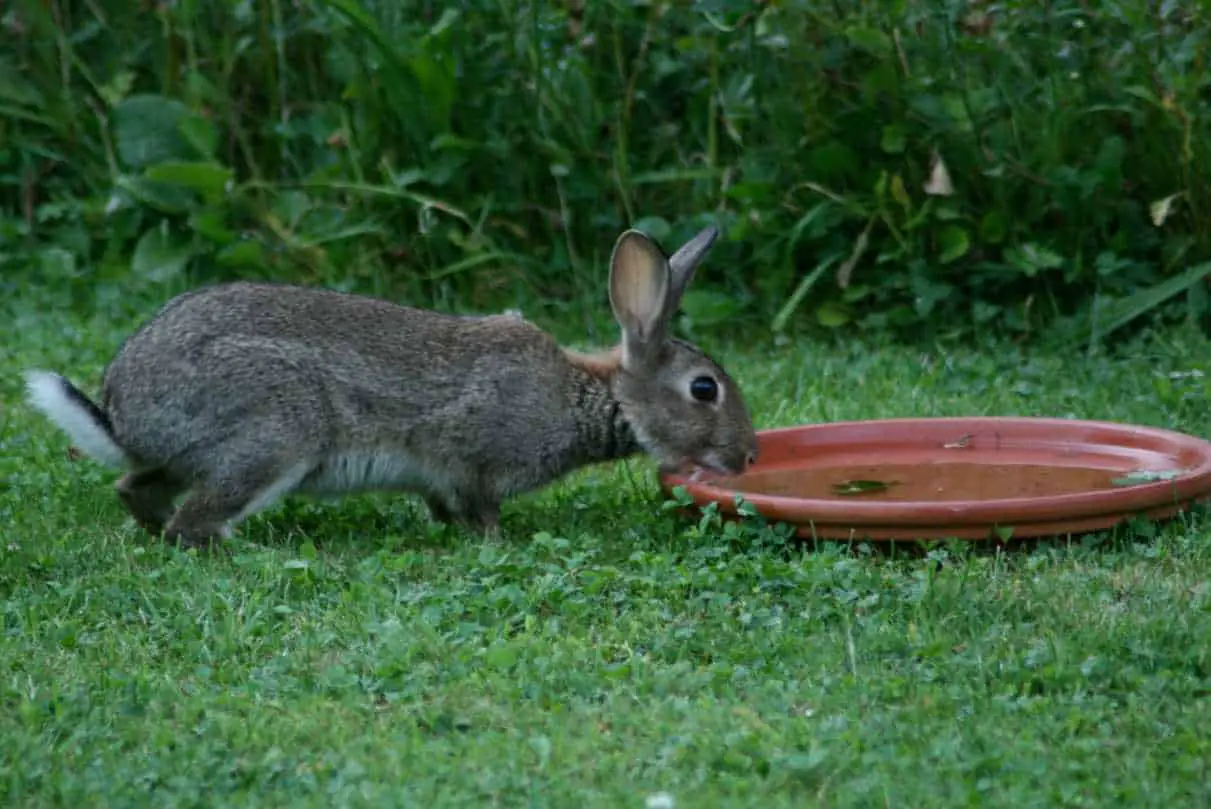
x=850, y=487
x=1140, y=476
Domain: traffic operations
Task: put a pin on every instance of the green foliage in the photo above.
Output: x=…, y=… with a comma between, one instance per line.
x=893, y=164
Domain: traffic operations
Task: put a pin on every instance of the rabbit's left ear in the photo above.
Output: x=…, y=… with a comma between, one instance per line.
x=639, y=294
x=683, y=263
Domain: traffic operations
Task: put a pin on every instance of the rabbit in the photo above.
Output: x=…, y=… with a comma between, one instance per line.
x=236, y=394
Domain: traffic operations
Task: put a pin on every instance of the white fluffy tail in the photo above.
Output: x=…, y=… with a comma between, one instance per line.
x=75, y=414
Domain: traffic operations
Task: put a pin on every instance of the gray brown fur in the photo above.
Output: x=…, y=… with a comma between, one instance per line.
x=237, y=394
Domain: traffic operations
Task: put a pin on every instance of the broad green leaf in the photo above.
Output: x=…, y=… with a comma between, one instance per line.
x=956, y=108
x=832, y=314
x=993, y=227
x=834, y=159
x=57, y=264
x=248, y=253
x=160, y=254
x=148, y=130
x=201, y=135
x=210, y=223
x=871, y=40
x=501, y=655
x=953, y=242
x=654, y=226
x=893, y=140
x=164, y=197
x=117, y=87
x=946, y=212
x=706, y=307
x=209, y=179
x=1031, y=258
x=751, y=194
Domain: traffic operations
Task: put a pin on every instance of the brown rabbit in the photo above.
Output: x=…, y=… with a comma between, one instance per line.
x=240, y=393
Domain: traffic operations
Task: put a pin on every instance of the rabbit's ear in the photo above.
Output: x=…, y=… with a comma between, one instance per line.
x=639, y=292
x=683, y=263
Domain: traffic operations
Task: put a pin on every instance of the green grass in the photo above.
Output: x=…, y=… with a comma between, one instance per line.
x=605, y=651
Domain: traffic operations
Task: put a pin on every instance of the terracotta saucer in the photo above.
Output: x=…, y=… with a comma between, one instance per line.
x=964, y=478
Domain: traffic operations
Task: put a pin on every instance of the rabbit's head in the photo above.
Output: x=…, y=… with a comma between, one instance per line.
x=683, y=408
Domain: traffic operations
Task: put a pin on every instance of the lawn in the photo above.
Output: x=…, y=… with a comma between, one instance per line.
x=606, y=653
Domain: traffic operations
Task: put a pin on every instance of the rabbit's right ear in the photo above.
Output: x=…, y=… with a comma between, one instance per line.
x=639, y=294
x=687, y=258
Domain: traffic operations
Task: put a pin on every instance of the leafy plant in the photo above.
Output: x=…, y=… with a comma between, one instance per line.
x=955, y=167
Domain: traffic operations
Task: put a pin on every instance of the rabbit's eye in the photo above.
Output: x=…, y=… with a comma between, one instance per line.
x=704, y=389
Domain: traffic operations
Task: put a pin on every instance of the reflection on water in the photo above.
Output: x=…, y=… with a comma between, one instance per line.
x=938, y=480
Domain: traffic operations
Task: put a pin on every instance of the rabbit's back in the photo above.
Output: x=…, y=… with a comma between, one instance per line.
x=374, y=392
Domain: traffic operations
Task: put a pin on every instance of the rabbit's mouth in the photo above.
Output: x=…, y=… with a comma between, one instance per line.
x=705, y=471
x=706, y=468
x=703, y=474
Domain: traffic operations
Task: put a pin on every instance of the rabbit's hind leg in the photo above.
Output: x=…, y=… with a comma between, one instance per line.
x=474, y=513
x=471, y=512
x=218, y=501
x=148, y=495
x=438, y=510
x=484, y=517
